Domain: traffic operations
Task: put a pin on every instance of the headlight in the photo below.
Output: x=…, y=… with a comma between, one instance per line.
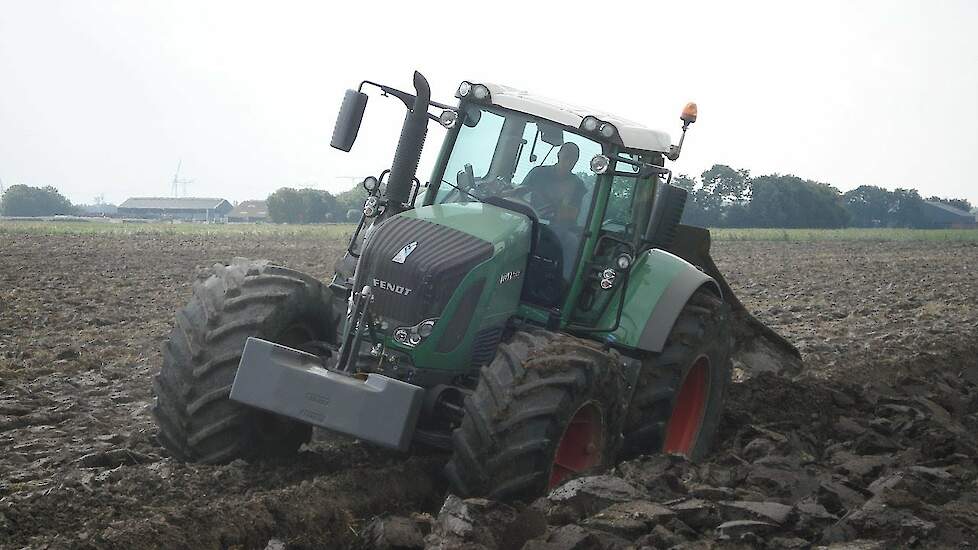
x=370, y=207
x=464, y=89
x=609, y=274
x=425, y=328
x=608, y=130
x=448, y=118
x=590, y=124
x=412, y=336
x=624, y=262
x=600, y=164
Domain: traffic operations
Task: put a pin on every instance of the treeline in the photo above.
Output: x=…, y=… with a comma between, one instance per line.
x=288, y=205
x=728, y=197
x=27, y=201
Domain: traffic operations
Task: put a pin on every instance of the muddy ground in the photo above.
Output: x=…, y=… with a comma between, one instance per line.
x=874, y=442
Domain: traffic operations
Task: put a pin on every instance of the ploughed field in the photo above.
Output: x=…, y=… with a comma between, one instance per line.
x=877, y=441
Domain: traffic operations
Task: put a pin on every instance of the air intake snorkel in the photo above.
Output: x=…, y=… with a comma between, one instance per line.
x=408, y=153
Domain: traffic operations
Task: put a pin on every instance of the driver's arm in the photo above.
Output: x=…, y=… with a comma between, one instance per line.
x=530, y=183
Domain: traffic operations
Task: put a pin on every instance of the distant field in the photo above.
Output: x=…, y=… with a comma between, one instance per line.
x=340, y=230
x=850, y=234
x=345, y=230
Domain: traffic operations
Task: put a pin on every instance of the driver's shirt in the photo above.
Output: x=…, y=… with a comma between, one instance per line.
x=557, y=195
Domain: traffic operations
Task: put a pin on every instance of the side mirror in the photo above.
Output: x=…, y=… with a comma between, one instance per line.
x=348, y=120
x=667, y=210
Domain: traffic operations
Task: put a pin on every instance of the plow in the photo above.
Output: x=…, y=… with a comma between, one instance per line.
x=536, y=309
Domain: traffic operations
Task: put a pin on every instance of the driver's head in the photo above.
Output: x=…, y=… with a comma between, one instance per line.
x=567, y=156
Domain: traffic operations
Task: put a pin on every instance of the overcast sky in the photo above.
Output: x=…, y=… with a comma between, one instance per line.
x=106, y=97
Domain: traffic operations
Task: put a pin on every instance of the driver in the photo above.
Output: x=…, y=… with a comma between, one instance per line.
x=556, y=193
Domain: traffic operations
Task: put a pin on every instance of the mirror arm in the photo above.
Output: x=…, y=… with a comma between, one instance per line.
x=405, y=97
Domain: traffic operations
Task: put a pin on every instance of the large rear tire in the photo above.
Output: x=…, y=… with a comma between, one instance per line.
x=680, y=393
x=549, y=406
x=197, y=420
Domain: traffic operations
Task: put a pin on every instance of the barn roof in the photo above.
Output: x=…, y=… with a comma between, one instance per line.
x=173, y=203
x=951, y=209
x=250, y=209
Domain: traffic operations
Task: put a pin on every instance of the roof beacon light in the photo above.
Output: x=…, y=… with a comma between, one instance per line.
x=689, y=114
x=608, y=130
x=590, y=124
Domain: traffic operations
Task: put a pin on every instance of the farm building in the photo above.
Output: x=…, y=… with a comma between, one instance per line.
x=172, y=208
x=249, y=211
x=944, y=216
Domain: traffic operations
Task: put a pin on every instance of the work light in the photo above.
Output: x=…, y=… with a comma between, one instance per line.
x=480, y=92
x=599, y=164
x=448, y=118
x=371, y=184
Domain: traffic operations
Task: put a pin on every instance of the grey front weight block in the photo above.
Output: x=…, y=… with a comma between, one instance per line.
x=293, y=383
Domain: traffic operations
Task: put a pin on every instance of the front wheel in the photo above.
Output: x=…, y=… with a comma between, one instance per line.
x=678, y=402
x=548, y=407
x=197, y=420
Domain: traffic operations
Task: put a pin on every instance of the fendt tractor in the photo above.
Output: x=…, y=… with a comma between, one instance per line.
x=536, y=308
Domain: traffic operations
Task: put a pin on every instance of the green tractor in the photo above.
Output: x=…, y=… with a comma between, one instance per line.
x=535, y=308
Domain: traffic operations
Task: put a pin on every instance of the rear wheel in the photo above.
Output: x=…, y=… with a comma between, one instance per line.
x=197, y=420
x=548, y=407
x=679, y=398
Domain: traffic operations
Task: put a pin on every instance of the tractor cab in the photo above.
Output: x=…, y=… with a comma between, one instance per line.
x=572, y=172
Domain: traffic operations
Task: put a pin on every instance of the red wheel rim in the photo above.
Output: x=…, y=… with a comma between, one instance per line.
x=581, y=445
x=687, y=414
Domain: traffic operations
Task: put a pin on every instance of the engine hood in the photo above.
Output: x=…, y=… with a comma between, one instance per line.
x=460, y=266
x=498, y=226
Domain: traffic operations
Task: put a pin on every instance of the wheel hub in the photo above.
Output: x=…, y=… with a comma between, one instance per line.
x=684, y=425
x=580, y=446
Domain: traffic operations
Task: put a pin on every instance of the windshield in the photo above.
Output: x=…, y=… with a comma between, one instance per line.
x=523, y=159
x=519, y=157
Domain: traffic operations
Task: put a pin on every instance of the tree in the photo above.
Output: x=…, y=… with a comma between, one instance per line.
x=350, y=200
x=288, y=205
x=722, y=185
x=285, y=206
x=869, y=206
x=789, y=201
x=907, y=209
x=23, y=200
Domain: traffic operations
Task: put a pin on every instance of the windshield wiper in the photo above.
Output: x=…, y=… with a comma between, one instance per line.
x=463, y=190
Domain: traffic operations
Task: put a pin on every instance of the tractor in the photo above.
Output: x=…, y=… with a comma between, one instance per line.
x=535, y=308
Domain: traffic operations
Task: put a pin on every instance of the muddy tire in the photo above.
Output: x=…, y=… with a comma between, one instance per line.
x=549, y=406
x=680, y=392
x=197, y=421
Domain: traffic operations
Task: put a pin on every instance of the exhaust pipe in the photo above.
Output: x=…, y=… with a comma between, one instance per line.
x=409, y=147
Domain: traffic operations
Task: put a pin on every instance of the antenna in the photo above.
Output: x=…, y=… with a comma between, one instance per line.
x=2, y=188
x=174, y=188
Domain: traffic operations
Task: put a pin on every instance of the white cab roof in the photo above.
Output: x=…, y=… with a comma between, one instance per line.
x=633, y=134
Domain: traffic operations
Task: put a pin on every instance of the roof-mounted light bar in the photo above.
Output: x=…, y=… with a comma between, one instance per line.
x=600, y=128
x=476, y=92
